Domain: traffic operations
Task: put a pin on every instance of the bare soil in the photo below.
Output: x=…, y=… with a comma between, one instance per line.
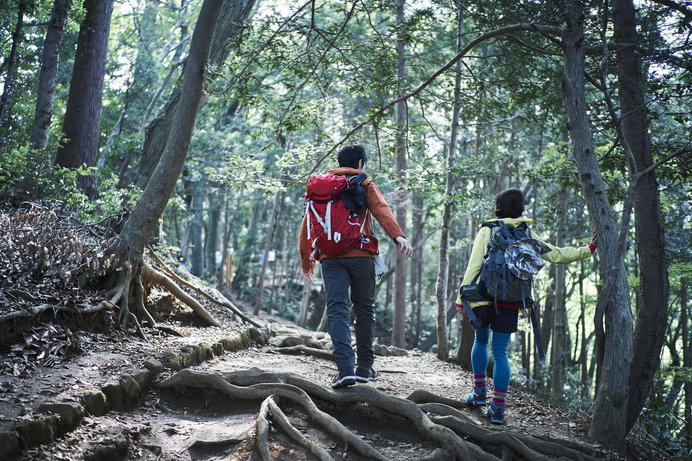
x=204, y=425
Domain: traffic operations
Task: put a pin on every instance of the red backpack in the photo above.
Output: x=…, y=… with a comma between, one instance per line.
x=333, y=228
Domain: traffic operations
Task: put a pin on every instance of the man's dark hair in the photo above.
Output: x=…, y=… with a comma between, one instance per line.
x=349, y=156
x=509, y=203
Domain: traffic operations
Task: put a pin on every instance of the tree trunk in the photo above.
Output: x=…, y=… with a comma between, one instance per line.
x=233, y=14
x=468, y=334
x=559, y=351
x=48, y=76
x=652, y=315
x=687, y=362
x=399, y=304
x=150, y=206
x=196, y=228
x=443, y=263
x=608, y=423
x=267, y=249
x=583, y=348
x=83, y=110
x=211, y=246
x=8, y=93
x=417, y=263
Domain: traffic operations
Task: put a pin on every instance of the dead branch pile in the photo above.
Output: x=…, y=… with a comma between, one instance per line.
x=44, y=260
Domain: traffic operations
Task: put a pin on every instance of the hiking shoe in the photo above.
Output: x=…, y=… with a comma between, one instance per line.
x=342, y=380
x=363, y=376
x=496, y=413
x=477, y=397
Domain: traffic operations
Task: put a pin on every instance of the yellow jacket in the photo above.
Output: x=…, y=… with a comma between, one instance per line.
x=557, y=255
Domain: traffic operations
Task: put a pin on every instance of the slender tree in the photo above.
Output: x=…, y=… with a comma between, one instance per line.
x=609, y=417
x=652, y=305
x=149, y=208
x=399, y=302
x=443, y=264
x=48, y=75
x=12, y=64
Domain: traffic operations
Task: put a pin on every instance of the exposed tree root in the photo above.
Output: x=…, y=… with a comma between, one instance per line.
x=522, y=445
x=301, y=349
x=421, y=396
x=270, y=411
x=226, y=303
x=263, y=426
x=153, y=276
x=443, y=436
x=38, y=310
x=192, y=379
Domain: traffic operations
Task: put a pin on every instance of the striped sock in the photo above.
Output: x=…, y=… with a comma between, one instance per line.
x=479, y=380
x=499, y=396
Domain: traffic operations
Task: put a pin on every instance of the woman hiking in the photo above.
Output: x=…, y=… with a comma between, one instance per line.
x=498, y=317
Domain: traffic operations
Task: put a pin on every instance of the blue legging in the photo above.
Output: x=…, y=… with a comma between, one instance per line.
x=479, y=356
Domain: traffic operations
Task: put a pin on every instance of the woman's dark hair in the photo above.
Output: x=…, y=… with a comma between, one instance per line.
x=509, y=203
x=349, y=156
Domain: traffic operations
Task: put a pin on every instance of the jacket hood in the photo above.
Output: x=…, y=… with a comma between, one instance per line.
x=514, y=222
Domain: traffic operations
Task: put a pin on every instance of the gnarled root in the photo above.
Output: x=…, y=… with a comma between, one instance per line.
x=153, y=276
x=225, y=303
x=192, y=379
x=522, y=445
x=273, y=382
x=270, y=411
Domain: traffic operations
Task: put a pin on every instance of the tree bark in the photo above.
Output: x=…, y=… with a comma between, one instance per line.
x=196, y=227
x=83, y=112
x=417, y=266
x=150, y=206
x=443, y=263
x=652, y=315
x=48, y=76
x=608, y=423
x=267, y=249
x=560, y=332
x=8, y=93
x=399, y=302
x=230, y=19
x=211, y=245
x=687, y=362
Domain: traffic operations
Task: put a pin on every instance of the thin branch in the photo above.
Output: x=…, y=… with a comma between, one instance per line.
x=544, y=30
x=314, y=68
x=266, y=44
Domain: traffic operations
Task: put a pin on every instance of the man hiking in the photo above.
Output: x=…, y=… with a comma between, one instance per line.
x=352, y=265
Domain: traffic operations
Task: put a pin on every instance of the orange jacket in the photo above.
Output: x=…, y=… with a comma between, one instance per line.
x=374, y=202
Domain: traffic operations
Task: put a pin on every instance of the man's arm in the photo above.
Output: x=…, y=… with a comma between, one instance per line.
x=377, y=205
x=306, y=265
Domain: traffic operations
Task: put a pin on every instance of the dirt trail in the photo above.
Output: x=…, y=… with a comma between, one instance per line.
x=204, y=425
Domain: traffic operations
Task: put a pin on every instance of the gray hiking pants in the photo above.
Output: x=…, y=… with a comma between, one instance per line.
x=358, y=274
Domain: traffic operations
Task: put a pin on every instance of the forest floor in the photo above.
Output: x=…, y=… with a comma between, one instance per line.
x=53, y=347
x=206, y=426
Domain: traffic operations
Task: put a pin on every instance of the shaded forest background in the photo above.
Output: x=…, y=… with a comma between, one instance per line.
x=454, y=101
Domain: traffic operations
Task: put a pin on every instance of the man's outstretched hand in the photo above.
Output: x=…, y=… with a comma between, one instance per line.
x=307, y=275
x=404, y=246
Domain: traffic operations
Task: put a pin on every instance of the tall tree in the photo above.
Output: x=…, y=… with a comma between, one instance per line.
x=652, y=305
x=399, y=302
x=149, y=208
x=232, y=16
x=12, y=64
x=559, y=351
x=443, y=264
x=83, y=111
x=609, y=416
x=49, y=74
